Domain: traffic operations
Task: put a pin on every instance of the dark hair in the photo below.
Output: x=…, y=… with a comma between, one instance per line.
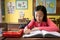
x=43, y=9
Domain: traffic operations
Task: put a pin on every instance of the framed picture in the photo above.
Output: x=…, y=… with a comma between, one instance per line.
x=49, y=4
x=10, y=7
x=22, y=4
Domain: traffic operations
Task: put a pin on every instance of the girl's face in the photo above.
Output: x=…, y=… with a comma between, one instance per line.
x=39, y=16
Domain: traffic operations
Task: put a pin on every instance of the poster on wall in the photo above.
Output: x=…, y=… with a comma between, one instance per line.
x=21, y=4
x=10, y=7
x=49, y=4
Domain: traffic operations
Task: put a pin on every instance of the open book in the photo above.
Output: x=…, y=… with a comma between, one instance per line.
x=43, y=33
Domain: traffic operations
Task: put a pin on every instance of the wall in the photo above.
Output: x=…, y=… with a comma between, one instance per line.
x=13, y=18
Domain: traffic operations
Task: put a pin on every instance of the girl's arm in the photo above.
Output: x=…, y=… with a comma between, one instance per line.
x=29, y=26
x=51, y=27
x=26, y=30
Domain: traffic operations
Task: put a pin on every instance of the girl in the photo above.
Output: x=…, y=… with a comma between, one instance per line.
x=40, y=21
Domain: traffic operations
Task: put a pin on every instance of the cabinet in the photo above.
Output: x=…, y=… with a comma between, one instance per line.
x=58, y=6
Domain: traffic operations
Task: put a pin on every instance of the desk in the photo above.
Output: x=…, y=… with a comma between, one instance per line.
x=32, y=39
x=11, y=26
x=8, y=26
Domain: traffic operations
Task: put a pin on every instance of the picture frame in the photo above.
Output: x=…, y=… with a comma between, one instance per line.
x=49, y=13
x=49, y=4
x=21, y=4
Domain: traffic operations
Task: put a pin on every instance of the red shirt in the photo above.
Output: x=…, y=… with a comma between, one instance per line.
x=43, y=25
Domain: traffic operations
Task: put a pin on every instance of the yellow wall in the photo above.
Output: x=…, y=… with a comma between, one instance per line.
x=13, y=18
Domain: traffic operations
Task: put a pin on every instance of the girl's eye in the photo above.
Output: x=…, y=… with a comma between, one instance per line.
x=39, y=16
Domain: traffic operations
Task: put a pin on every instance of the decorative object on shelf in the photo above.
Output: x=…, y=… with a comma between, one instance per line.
x=22, y=4
x=22, y=14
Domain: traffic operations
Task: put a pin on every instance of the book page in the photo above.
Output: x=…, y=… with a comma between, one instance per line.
x=36, y=32
x=52, y=33
x=44, y=32
x=33, y=33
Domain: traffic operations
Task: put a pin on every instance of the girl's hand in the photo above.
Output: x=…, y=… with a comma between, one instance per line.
x=27, y=31
x=35, y=28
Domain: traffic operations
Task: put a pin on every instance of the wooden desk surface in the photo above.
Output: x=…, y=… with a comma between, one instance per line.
x=32, y=39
